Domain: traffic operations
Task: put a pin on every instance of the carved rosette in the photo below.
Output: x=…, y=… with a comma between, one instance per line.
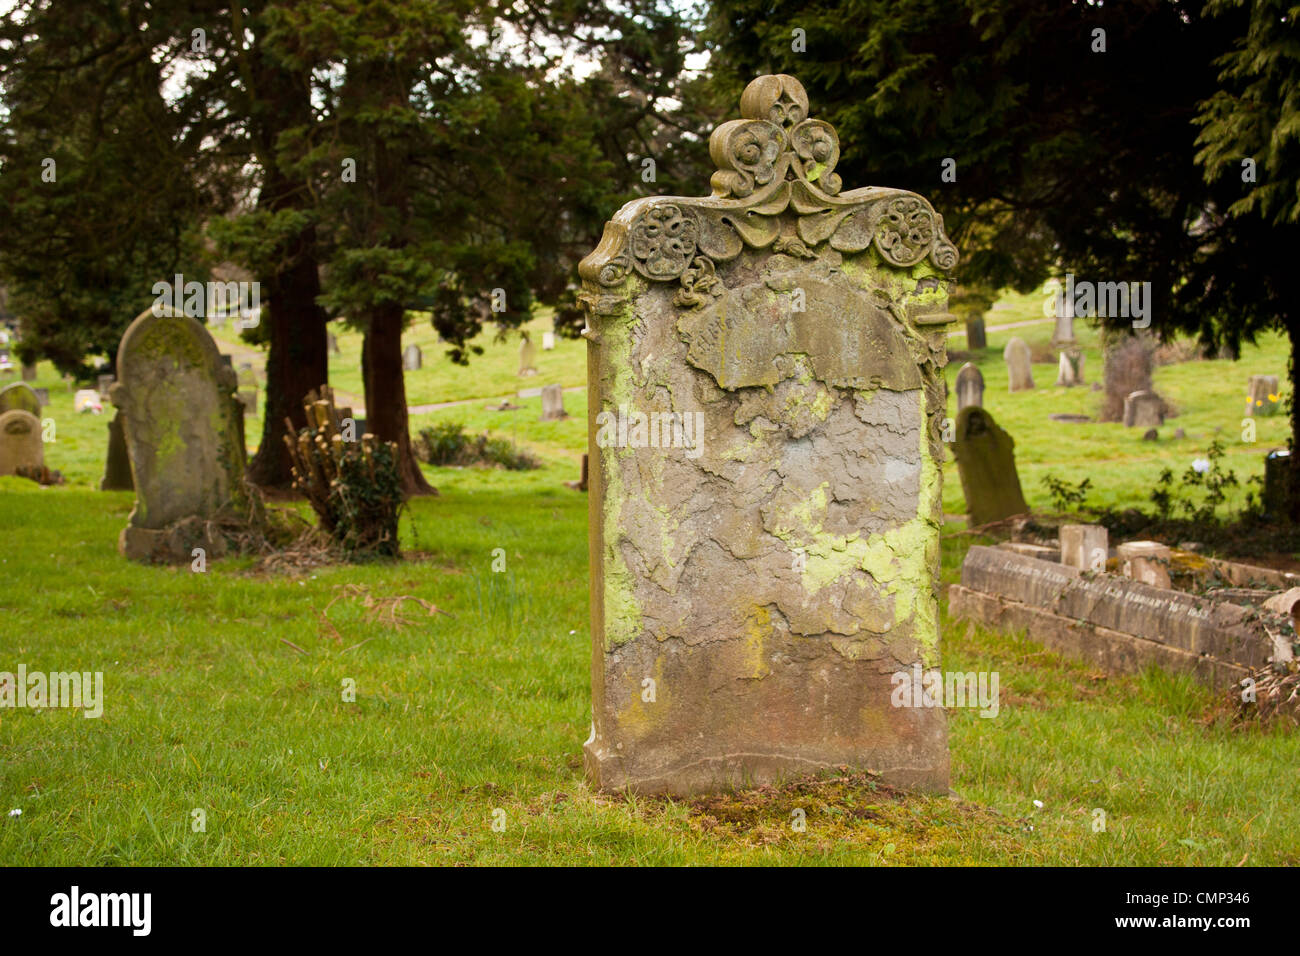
x=772, y=161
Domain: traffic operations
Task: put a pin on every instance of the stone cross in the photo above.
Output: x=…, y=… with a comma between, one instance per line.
x=970, y=387
x=986, y=464
x=183, y=430
x=765, y=419
x=1020, y=370
x=20, y=441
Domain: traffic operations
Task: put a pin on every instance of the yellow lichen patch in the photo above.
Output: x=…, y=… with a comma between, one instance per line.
x=757, y=626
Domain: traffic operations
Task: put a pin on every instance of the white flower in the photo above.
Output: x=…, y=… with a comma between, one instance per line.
x=1038, y=804
x=16, y=812
x=1201, y=464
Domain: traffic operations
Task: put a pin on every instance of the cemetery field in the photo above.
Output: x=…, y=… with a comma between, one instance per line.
x=223, y=693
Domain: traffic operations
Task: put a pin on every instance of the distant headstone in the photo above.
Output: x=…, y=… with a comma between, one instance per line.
x=117, y=466
x=548, y=341
x=1084, y=546
x=1179, y=433
x=766, y=398
x=105, y=383
x=20, y=441
x=412, y=358
x=1070, y=368
x=1143, y=410
x=1063, y=334
x=986, y=464
x=182, y=427
x=1019, y=365
x=29, y=373
x=87, y=400
x=42, y=396
x=19, y=395
x=247, y=397
x=970, y=387
x=1262, y=396
x=975, y=336
x=333, y=342
x=553, y=403
x=1126, y=368
x=527, y=357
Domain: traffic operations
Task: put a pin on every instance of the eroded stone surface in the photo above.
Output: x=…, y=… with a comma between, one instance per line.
x=986, y=464
x=755, y=587
x=20, y=441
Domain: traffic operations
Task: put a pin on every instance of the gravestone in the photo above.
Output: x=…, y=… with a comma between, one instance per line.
x=42, y=396
x=1276, y=497
x=1063, y=333
x=412, y=358
x=527, y=357
x=19, y=395
x=553, y=403
x=247, y=397
x=29, y=373
x=333, y=342
x=87, y=400
x=548, y=341
x=117, y=465
x=1070, y=368
x=1143, y=410
x=765, y=409
x=105, y=382
x=1126, y=368
x=183, y=429
x=1145, y=561
x=975, y=336
x=986, y=464
x=1263, y=396
x=970, y=387
x=1019, y=361
x=1084, y=546
x=20, y=441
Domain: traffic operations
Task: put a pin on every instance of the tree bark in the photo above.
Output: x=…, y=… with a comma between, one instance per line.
x=1293, y=373
x=386, y=393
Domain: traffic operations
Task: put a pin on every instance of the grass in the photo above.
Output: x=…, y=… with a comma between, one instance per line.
x=225, y=690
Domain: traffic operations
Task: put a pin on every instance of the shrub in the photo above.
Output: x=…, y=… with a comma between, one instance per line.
x=447, y=444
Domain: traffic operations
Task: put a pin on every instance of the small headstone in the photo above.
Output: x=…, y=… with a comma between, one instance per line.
x=20, y=441
x=1262, y=397
x=1151, y=434
x=1070, y=368
x=986, y=464
x=117, y=466
x=248, y=398
x=527, y=357
x=548, y=341
x=1126, y=368
x=1145, y=561
x=412, y=358
x=1085, y=546
x=553, y=403
x=1019, y=365
x=1179, y=433
x=105, y=383
x=183, y=430
x=19, y=395
x=975, y=336
x=29, y=373
x=87, y=400
x=333, y=342
x=970, y=387
x=1144, y=410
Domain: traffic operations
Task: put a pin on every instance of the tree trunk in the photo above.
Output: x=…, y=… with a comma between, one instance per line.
x=386, y=393
x=1293, y=372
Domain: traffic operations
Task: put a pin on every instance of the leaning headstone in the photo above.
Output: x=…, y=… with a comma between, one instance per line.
x=20, y=441
x=117, y=466
x=29, y=373
x=19, y=395
x=986, y=464
x=182, y=428
x=766, y=406
x=1084, y=546
x=548, y=341
x=976, y=338
x=1019, y=361
x=1070, y=368
x=970, y=387
x=412, y=358
x=1144, y=410
x=527, y=357
x=1126, y=368
x=1262, y=396
x=553, y=403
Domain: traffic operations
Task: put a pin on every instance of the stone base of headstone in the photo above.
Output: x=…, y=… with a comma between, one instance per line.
x=1084, y=546
x=1145, y=561
x=117, y=466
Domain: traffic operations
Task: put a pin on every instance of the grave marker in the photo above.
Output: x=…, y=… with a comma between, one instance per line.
x=970, y=387
x=986, y=464
x=20, y=441
x=1020, y=370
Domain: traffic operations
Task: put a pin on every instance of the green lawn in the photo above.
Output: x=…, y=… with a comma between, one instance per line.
x=224, y=689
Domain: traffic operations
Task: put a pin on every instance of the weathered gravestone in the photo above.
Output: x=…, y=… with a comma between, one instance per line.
x=29, y=373
x=105, y=382
x=20, y=441
x=333, y=342
x=548, y=341
x=19, y=395
x=1069, y=370
x=1262, y=396
x=117, y=465
x=766, y=396
x=986, y=464
x=1084, y=546
x=1020, y=369
x=553, y=403
x=1126, y=368
x=975, y=336
x=1144, y=410
x=527, y=357
x=183, y=434
x=970, y=387
x=412, y=358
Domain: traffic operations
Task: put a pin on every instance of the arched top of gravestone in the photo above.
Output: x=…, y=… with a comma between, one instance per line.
x=971, y=373
x=18, y=421
x=167, y=341
x=1015, y=346
x=775, y=189
x=19, y=395
x=974, y=421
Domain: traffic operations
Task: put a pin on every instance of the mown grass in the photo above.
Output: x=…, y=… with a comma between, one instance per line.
x=224, y=690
